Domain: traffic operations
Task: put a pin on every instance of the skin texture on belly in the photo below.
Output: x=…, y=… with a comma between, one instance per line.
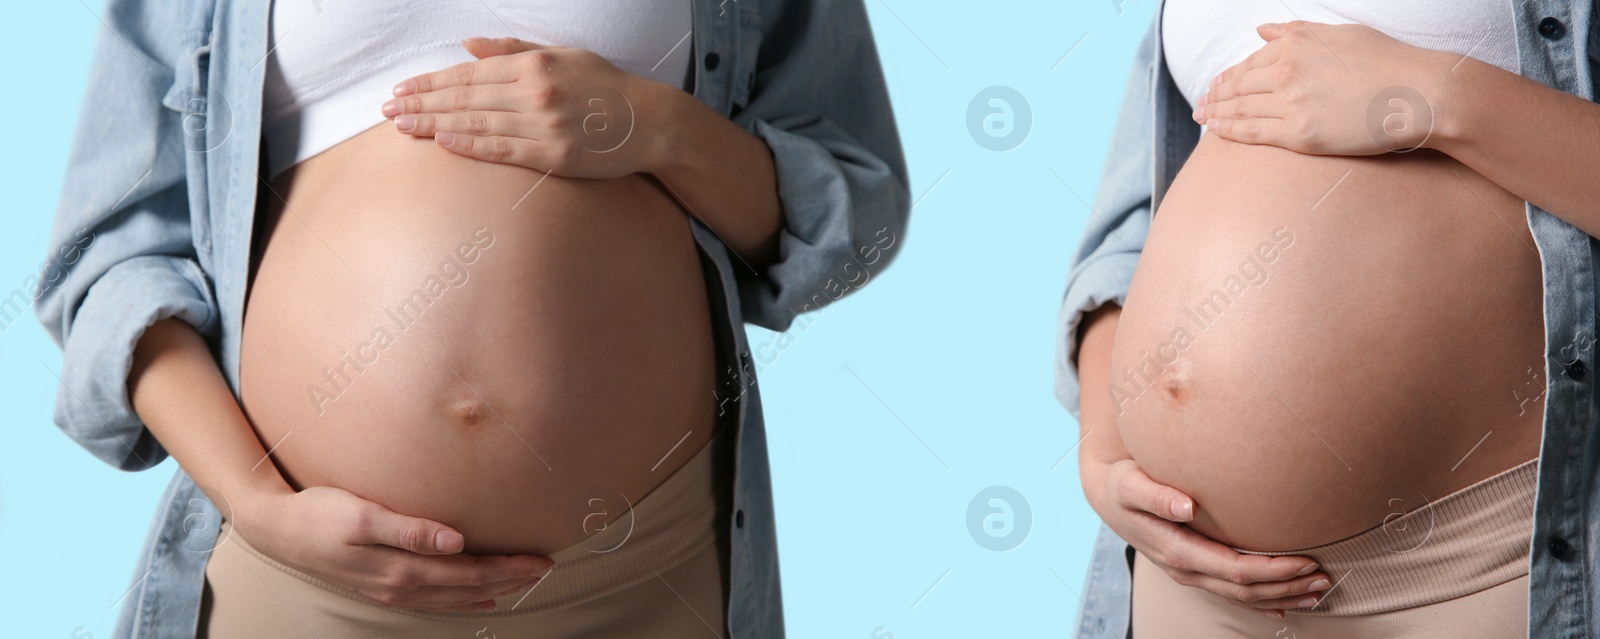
x=1312, y=345
x=514, y=355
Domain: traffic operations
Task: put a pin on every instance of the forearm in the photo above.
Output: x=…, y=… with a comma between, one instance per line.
x=180, y=395
x=720, y=173
x=1101, y=440
x=1539, y=143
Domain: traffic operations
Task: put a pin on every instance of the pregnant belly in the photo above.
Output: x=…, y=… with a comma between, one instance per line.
x=514, y=355
x=1314, y=344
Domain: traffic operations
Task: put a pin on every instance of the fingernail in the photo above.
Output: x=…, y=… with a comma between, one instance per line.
x=391, y=108
x=1199, y=114
x=444, y=139
x=1307, y=570
x=1273, y=614
x=1183, y=508
x=1213, y=124
x=1307, y=602
x=1320, y=584
x=405, y=122
x=487, y=606
x=448, y=541
x=475, y=40
x=405, y=88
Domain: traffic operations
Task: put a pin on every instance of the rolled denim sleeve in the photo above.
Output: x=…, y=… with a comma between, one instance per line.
x=122, y=255
x=1103, y=267
x=819, y=102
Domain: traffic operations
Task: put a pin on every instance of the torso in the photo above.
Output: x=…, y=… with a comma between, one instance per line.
x=1376, y=344
x=563, y=350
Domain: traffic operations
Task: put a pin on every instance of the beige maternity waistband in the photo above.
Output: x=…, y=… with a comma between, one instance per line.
x=1465, y=542
x=665, y=575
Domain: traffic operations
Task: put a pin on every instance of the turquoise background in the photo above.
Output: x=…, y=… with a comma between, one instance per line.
x=887, y=412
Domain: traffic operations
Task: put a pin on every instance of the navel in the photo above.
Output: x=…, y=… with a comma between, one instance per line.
x=469, y=413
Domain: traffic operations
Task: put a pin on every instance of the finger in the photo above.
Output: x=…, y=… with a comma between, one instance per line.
x=469, y=571
x=410, y=580
x=480, y=97
x=1281, y=595
x=1255, y=105
x=478, y=606
x=460, y=598
x=1137, y=491
x=466, y=73
x=1250, y=130
x=1256, y=597
x=478, y=123
x=377, y=525
x=499, y=149
x=1262, y=58
x=1274, y=30
x=488, y=47
x=1251, y=82
x=1187, y=550
x=444, y=598
x=1293, y=602
x=1256, y=81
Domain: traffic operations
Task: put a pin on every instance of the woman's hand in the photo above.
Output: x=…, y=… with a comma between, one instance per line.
x=572, y=113
x=1329, y=90
x=392, y=559
x=1150, y=517
x=555, y=109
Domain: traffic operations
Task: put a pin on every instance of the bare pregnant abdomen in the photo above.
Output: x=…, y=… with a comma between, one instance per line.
x=1312, y=344
x=476, y=343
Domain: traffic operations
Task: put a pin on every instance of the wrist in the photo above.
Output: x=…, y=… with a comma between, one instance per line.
x=1100, y=489
x=1451, y=102
x=1093, y=473
x=660, y=116
x=252, y=496
x=259, y=515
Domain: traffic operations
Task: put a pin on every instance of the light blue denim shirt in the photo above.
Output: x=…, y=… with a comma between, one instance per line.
x=157, y=207
x=1155, y=135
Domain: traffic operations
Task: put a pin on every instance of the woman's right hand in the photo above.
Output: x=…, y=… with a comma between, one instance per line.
x=1150, y=517
x=179, y=392
x=392, y=559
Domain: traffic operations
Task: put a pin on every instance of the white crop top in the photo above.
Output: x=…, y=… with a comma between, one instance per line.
x=335, y=62
x=1201, y=38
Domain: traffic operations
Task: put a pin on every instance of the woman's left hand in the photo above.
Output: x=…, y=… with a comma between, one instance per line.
x=555, y=109
x=1329, y=90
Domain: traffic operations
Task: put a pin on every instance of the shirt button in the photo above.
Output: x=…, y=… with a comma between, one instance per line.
x=1577, y=369
x=713, y=60
x=1559, y=548
x=1552, y=28
x=738, y=519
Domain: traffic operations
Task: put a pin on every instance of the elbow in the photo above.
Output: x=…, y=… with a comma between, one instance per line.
x=881, y=200
x=126, y=446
